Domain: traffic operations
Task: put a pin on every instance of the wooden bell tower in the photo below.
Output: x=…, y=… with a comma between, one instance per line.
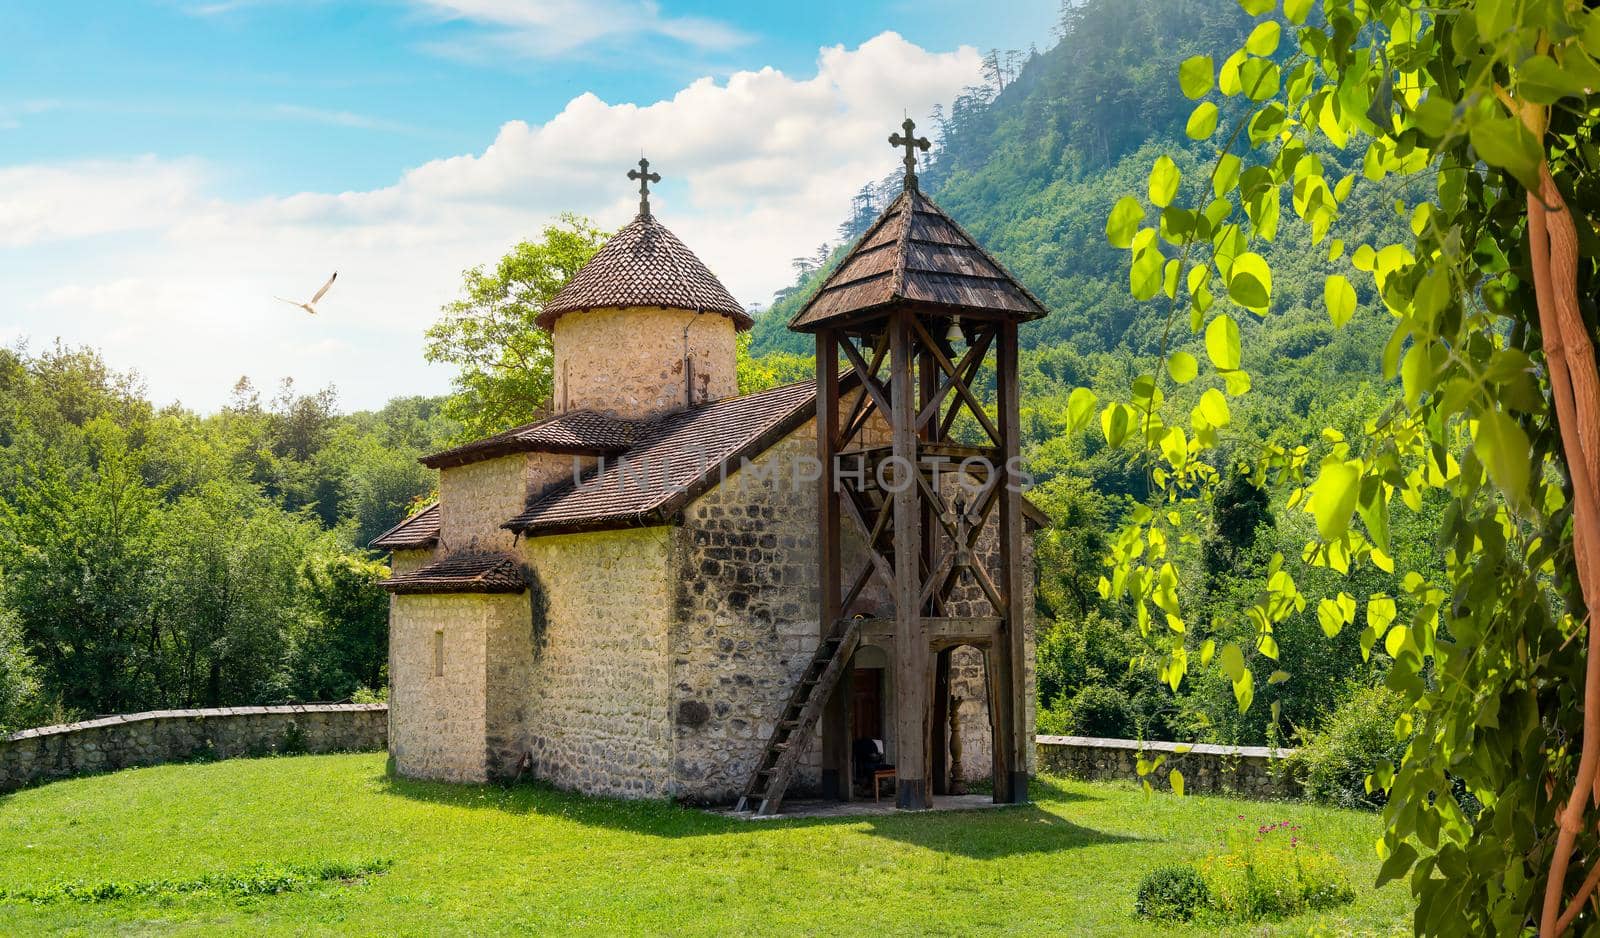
x=928, y=480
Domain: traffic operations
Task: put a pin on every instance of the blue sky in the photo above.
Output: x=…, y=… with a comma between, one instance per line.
x=165, y=166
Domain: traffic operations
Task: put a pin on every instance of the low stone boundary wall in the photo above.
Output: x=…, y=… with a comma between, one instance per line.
x=109, y=743
x=1253, y=771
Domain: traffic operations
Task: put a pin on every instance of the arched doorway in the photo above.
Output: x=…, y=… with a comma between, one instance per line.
x=963, y=719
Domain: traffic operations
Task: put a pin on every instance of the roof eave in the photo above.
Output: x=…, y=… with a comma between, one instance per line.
x=450, y=459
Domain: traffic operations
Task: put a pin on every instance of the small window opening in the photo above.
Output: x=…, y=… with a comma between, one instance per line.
x=438, y=653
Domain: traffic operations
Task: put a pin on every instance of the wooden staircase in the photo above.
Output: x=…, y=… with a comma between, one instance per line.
x=764, y=793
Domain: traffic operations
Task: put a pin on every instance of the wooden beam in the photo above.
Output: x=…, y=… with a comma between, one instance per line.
x=881, y=563
x=913, y=677
x=941, y=632
x=983, y=340
x=858, y=407
x=941, y=723
x=869, y=380
x=973, y=403
x=1009, y=651
x=836, y=715
x=966, y=370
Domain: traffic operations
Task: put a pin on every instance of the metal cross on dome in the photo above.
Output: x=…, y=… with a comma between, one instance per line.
x=912, y=144
x=645, y=177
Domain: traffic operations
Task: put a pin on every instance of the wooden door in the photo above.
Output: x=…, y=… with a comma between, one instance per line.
x=867, y=704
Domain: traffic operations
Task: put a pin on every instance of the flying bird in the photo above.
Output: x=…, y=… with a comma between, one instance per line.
x=311, y=307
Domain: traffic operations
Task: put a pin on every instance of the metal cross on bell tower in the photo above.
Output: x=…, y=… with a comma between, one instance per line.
x=912, y=143
x=645, y=177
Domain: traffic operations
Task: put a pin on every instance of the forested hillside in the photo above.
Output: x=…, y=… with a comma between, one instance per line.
x=1031, y=165
x=156, y=558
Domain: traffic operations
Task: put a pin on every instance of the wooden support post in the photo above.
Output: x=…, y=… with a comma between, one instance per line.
x=1010, y=686
x=836, y=717
x=914, y=678
x=837, y=770
x=941, y=722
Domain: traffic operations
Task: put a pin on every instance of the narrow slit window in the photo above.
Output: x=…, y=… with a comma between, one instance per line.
x=438, y=653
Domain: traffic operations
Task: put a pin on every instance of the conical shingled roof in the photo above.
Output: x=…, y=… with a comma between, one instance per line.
x=916, y=253
x=644, y=264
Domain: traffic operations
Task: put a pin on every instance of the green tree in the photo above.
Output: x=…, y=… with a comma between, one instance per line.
x=347, y=647
x=1475, y=123
x=78, y=544
x=771, y=370
x=19, y=686
x=502, y=358
x=228, y=612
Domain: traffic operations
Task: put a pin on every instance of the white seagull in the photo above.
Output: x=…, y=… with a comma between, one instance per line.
x=311, y=307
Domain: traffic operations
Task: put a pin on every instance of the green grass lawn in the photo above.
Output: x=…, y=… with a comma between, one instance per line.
x=474, y=859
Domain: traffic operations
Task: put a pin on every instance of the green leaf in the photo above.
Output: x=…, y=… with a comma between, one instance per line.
x=1259, y=79
x=1334, y=614
x=1504, y=142
x=1257, y=7
x=1176, y=779
x=1202, y=121
x=1124, y=221
x=1263, y=40
x=1503, y=449
x=1244, y=691
x=1182, y=367
x=1164, y=177
x=1250, y=282
x=1222, y=342
x=1195, y=75
x=1232, y=661
x=1493, y=18
x=1145, y=276
x=1396, y=640
x=1214, y=408
x=1340, y=298
x=1295, y=11
x=1115, y=421
x=1397, y=864
x=1227, y=175
x=1278, y=677
x=1544, y=81
x=1080, y=408
x=1333, y=496
x=1380, y=613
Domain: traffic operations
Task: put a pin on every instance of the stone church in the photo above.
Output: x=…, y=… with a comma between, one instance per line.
x=621, y=598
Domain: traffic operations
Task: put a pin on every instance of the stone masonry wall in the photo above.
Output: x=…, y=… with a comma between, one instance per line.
x=1253, y=771
x=405, y=561
x=746, y=620
x=595, y=705
x=630, y=362
x=475, y=499
x=437, y=723
x=109, y=743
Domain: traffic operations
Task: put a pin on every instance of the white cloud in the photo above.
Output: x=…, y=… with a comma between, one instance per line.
x=334, y=118
x=73, y=200
x=758, y=168
x=549, y=28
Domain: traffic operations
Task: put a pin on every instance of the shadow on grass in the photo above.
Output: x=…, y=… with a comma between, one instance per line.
x=979, y=833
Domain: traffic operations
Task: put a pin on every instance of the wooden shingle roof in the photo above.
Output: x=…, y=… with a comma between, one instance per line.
x=463, y=573
x=418, y=532
x=644, y=264
x=915, y=253
x=581, y=432
x=675, y=459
